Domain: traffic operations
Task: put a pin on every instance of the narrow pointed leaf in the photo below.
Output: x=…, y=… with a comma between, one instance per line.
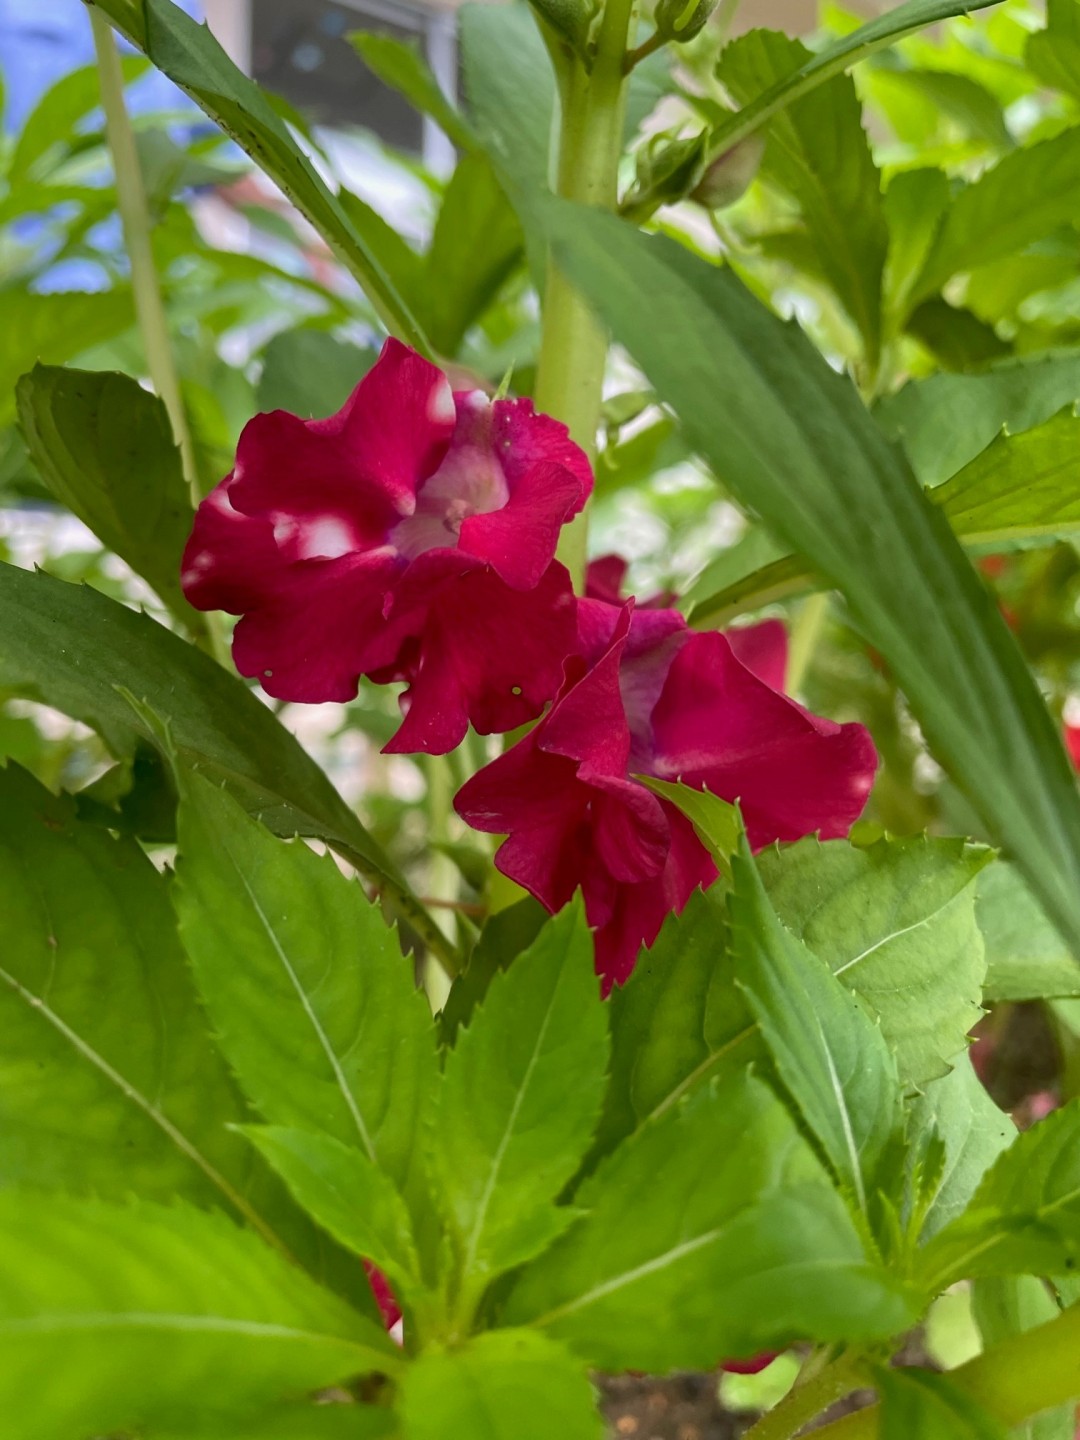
x=711, y=1232
x=519, y=1099
x=312, y=1001
x=1026, y=958
x=113, y=1317
x=792, y=441
x=830, y=1055
x=190, y=56
x=399, y=64
x=1024, y=1218
x=346, y=1193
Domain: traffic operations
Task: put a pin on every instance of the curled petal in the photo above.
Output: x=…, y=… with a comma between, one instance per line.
x=763, y=649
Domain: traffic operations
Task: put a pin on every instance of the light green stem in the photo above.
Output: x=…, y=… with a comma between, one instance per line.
x=806, y=1401
x=135, y=217
x=573, y=343
x=1013, y=1381
x=805, y=633
x=442, y=872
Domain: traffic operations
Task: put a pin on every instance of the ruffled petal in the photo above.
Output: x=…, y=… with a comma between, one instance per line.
x=322, y=628
x=717, y=726
x=519, y=540
x=231, y=561
x=486, y=655
x=335, y=485
x=763, y=649
x=524, y=439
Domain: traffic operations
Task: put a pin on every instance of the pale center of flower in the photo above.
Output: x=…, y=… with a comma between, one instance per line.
x=470, y=481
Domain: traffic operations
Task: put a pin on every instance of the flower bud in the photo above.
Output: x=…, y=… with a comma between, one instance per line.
x=730, y=175
x=681, y=20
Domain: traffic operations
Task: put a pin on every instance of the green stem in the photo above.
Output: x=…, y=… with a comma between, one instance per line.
x=805, y=634
x=1012, y=1381
x=806, y=1401
x=573, y=342
x=135, y=218
x=442, y=872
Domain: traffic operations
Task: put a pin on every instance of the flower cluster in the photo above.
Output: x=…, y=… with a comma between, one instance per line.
x=412, y=537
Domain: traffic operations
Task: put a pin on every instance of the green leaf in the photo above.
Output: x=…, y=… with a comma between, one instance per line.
x=71, y=647
x=103, y=445
x=1053, y=54
x=677, y=1022
x=832, y=60
x=310, y=373
x=955, y=337
x=519, y=1099
x=53, y=119
x=896, y=922
x=913, y=202
x=1026, y=958
x=115, y=1316
x=476, y=245
x=190, y=56
x=400, y=65
x=510, y=88
x=1017, y=491
x=295, y=1422
x=1005, y=1306
x=1024, y=1218
x=505, y=935
x=1023, y=198
x=506, y=1385
x=830, y=1055
x=973, y=1131
x=711, y=1232
x=312, y=1002
x=818, y=151
x=55, y=328
x=917, y=1402
x=1019, y=487
x=792, y=441
x=944, y=422
x=347, y=1194
x=716, y=823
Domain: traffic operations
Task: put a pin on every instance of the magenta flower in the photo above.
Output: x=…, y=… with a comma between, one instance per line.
x=411, y=536
x=654, y=698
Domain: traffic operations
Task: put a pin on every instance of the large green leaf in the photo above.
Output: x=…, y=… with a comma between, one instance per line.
x=476, y=244
x=506, y=1385
x=293, y=1422
x=1053, y=54
x=974, y=1133
x=1025, y=196
x=103, y=445
x=791, y=439
x=1026, y=958
x=917, y=1402
x=1024, y=1218
x=830, y=1054
x=945, y=421
x=110, y=1084
x=895, y=922
x=73, y=648
x=818, y=151
x=55, y=328
x=519, y=1099
x=113, y=1317
x=678, y=1021
x=191, y=57
x=347, y=1194
x=1017, y=491
x=311, y=1000
x=712, y=1231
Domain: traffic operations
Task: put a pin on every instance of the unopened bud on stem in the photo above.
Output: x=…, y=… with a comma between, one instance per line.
x=730, y=175
x=681, y=20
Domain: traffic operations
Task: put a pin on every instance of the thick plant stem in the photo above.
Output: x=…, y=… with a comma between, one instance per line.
x=1013, y=1381
x=573, y=344
x=803, y=1403
x=135, y=217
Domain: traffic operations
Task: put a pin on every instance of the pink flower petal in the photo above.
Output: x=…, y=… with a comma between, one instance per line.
x=763, y=649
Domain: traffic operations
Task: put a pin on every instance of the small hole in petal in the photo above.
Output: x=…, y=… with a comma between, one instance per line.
x=515, y=689
x=268, y=674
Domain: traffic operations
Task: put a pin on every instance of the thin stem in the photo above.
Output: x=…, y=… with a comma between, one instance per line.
x=573, y=342
x=644, y=50
x=1012, y=1381
x=442, y=872
x=135, y=218
x=806, y=1401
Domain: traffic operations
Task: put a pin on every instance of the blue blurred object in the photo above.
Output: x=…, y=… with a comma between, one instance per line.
x=42, y=40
